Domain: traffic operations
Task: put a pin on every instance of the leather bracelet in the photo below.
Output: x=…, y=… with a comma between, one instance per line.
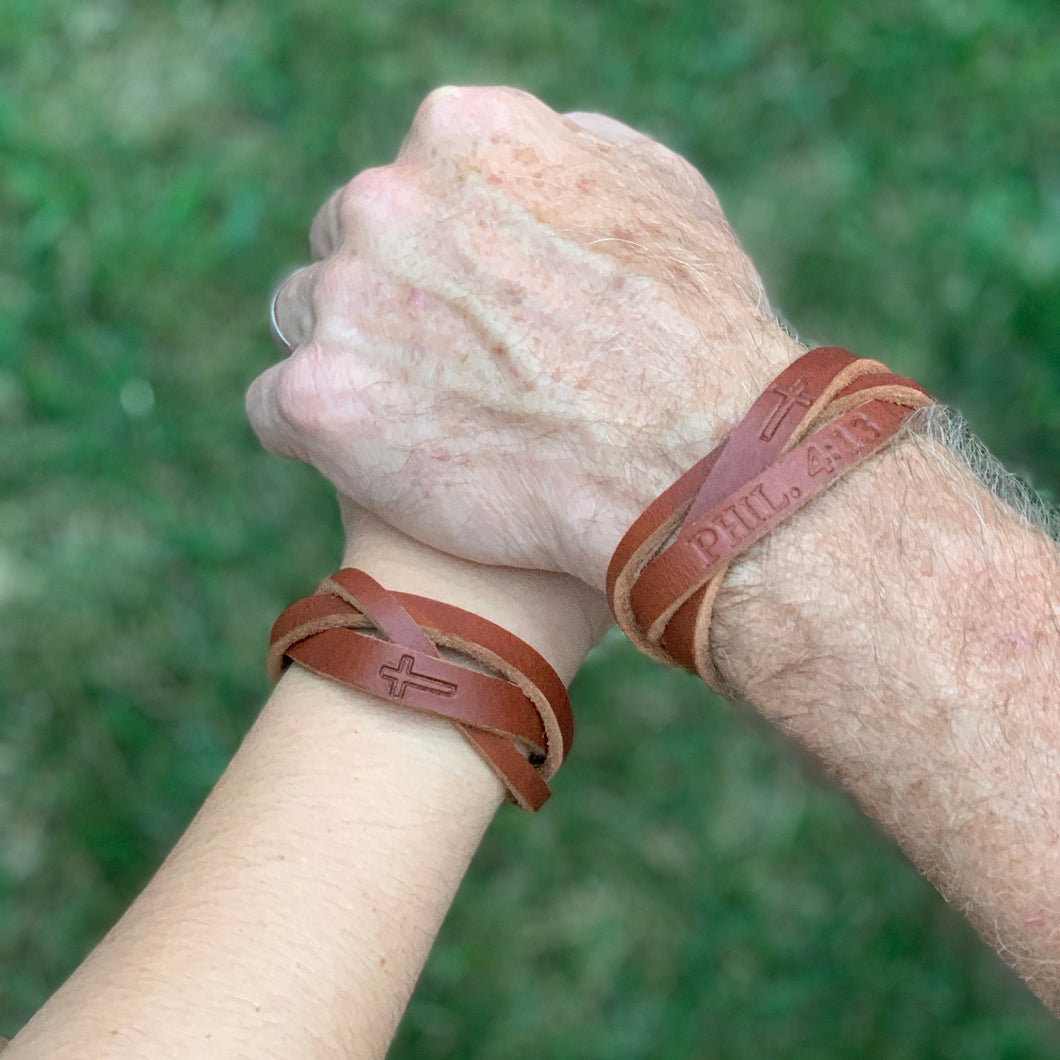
x=500, y=693
x=823, y=415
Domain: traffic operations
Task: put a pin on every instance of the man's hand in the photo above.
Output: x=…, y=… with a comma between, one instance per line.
x=518, y=333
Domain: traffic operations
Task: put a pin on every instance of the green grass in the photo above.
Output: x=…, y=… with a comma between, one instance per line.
x=695, y=888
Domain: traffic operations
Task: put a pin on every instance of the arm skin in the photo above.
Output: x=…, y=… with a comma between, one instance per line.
x=569, y=294
x=903, y=627
x=295, y=914
x=906, y=629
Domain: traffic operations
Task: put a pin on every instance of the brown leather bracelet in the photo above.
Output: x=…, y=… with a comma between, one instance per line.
x=823, y=415
x=500, y=693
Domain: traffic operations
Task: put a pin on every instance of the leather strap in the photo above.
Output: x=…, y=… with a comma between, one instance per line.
x=667, y=570
x=501, y=694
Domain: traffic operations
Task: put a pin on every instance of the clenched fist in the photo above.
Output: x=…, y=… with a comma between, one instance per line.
x=518, y=333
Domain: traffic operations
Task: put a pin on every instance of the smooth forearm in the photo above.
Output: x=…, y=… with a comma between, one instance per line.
x=296, y=913
x=904, y=628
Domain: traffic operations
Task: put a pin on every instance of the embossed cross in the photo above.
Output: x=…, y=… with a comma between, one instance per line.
x=403, y=676
x=789, y=398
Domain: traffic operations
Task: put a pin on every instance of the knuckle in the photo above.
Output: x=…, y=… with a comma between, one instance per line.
x=352, y=201
x=435, y=114
x=449, y=117
x=325, y=233
x=298, y=396
x=337, y=281
x=377, y=200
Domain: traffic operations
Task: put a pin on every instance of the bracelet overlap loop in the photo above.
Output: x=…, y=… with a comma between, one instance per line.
x=823, y=415
x=428, y=656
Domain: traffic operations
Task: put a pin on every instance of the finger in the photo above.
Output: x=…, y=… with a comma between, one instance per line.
x=263, y=411
x=293, y=317
x=425, y=119
x=607, y=129
x=325, y=233
x=460, y=122
x=274, y=325
x=336, y=222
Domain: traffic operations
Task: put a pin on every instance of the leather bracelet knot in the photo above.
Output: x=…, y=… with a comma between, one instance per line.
x=822, y=416
x=500, y=693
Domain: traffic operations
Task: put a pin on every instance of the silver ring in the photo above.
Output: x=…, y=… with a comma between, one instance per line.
x=274, y=324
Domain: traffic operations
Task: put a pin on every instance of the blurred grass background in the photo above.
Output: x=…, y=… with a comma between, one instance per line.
x=695, y=888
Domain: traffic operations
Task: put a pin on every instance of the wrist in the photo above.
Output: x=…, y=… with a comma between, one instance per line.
x=791, y=607
x=556, y=614
x=659, y=461
x=902, y=579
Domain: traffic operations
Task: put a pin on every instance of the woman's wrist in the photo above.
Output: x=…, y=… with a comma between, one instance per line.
x=297, y=911
x=556, y=614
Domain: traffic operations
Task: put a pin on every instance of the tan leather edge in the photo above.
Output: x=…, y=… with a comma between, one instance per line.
x=657, y=529
x=350, y=602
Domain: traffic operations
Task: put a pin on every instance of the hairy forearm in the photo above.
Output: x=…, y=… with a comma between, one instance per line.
x=904, y=628
x=296, y=913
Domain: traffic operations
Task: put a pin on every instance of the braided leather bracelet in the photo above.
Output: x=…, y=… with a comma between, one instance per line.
x=501, y=694
x=823, y=415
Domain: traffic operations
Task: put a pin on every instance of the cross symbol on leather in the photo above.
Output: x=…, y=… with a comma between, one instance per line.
x=403, y=676
x=789, y=397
